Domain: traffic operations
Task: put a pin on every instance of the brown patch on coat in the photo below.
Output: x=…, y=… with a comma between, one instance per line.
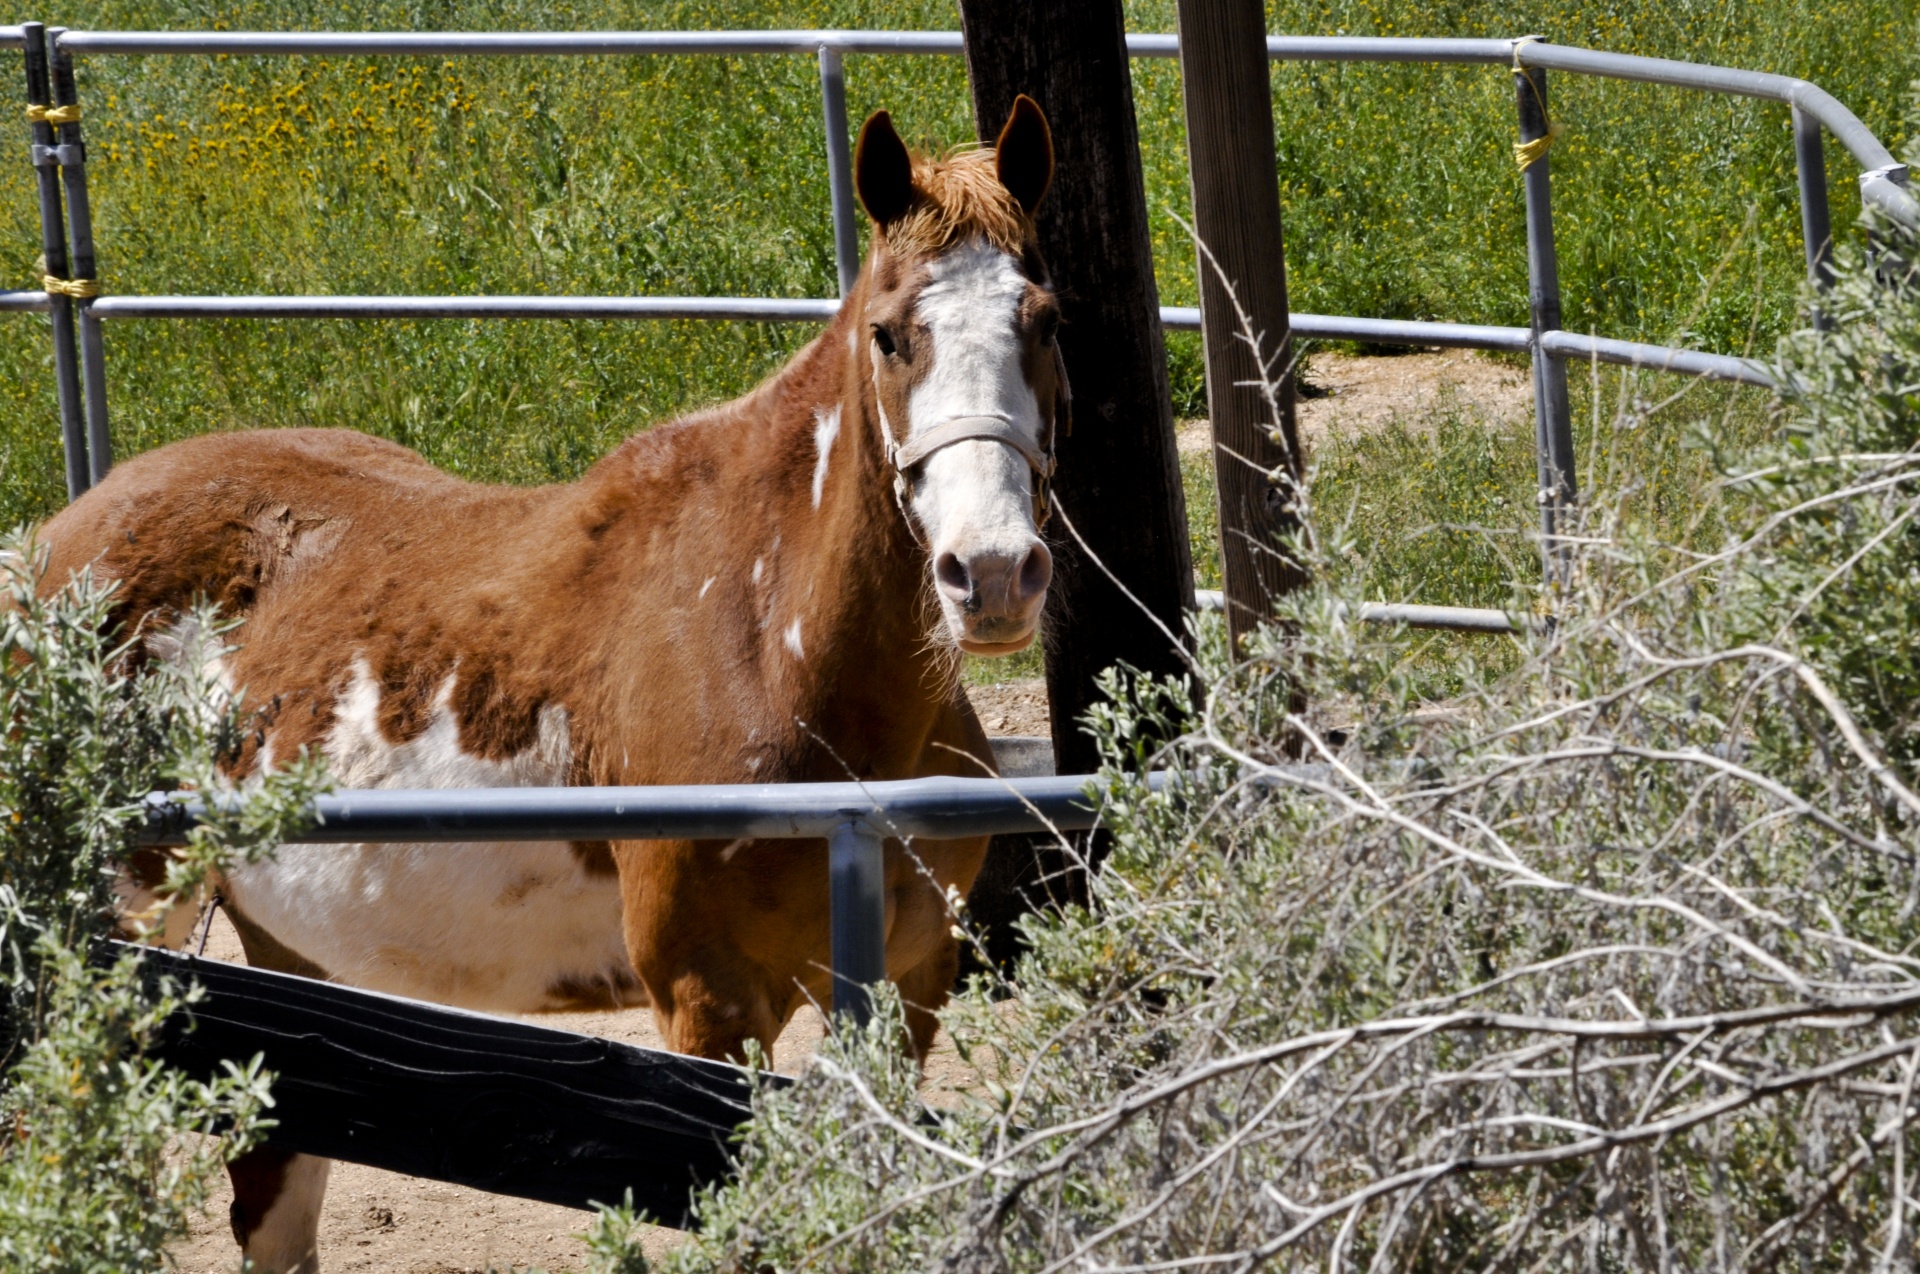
x=595, y=857
x=264, y=951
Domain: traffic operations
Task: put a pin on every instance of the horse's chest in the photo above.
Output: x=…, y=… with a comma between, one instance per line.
x=516, y=927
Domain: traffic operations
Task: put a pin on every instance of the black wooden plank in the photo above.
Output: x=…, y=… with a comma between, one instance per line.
x=500, y=1105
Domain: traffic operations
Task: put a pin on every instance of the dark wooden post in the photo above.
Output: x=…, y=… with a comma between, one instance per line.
x=1119, y=478
x=1236, y=213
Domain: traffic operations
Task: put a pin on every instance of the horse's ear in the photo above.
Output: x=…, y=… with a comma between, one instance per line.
x=1024, y=153
x=882, y=170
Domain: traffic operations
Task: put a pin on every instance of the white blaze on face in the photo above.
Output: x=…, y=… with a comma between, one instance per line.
x=974, y=499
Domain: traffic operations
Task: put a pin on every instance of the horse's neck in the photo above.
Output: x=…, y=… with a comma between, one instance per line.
x=829, y=594
x=884, y=674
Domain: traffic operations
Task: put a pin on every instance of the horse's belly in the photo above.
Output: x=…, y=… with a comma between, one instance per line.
x=515, y=928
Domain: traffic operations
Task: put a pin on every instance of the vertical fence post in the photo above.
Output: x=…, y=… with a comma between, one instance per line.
x=53, y=247
x=73, y=170
x=1553, y=418
x=846, y=225
x=1227, y=90
x=857, y=904
x=1816, y=223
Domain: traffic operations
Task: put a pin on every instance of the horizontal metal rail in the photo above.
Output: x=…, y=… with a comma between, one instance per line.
x=504, y=43
x=1882, y=184
x=749, y=309
x=633, y=43
x=1659, y=358
x=1459, y=619
x=811, y=310
x=932, y=807
x=24, y=302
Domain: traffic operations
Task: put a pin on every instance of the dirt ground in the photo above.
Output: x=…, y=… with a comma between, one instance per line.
x=1354, y=393
x=381, y=1223
x=1357, y=393
x=1012, y=707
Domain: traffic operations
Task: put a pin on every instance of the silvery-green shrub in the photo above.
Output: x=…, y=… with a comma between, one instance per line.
x=95, y=1173
x=1610, y=960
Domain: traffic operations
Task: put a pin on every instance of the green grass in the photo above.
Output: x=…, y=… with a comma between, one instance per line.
x=705, y=175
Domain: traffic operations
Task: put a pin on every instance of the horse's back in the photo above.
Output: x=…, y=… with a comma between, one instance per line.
x=223, y=516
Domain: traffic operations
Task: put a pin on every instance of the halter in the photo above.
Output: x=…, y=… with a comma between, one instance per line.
x=994, y=427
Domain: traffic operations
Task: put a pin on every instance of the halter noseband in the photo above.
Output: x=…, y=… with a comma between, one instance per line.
x=989, y=428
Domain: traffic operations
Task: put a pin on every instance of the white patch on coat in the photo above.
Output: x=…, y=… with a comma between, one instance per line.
x=709, y=584
x=493, y=926
x=199, y=654
x=826, y=428
x=287, y=1239
x=792, y=640
x=192, y=648
x=759, y=565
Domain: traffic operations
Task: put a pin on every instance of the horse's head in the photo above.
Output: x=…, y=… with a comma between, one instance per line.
x=959, y=325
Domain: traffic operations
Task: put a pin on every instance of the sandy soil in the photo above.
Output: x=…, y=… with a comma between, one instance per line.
x=1365, y=392
x=1012, y=707
x=1361, y=392
x=381, y=1223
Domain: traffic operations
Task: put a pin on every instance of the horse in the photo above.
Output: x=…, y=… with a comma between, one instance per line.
x=773, y=590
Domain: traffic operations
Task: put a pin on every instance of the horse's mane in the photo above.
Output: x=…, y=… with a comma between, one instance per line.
x=955, y=198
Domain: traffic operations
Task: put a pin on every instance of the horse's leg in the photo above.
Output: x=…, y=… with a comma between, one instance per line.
x=277, y=1195
x=276, y=1209
x=924, y=990
x=710, y=1001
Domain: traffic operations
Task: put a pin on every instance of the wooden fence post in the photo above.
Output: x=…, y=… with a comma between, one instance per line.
x=1119, y=478
x=1236, y=214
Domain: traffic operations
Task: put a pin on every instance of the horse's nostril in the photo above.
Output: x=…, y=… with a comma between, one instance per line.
x=950, y=573
x=1036, y=572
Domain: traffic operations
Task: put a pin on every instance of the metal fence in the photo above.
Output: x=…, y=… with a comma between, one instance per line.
x=854, y=818
x=77, y=310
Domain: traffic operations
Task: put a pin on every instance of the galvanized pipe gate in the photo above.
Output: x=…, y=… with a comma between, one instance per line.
x=855, y=820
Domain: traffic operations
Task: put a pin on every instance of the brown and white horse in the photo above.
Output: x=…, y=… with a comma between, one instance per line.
x=770, y=591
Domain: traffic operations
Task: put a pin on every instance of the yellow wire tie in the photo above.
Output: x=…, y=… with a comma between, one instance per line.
x=1527, y=154
x=81, y=288
x=54, y=114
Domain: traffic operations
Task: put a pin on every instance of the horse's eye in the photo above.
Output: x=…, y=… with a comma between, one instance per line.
x=884, y=339
x=1049, y=327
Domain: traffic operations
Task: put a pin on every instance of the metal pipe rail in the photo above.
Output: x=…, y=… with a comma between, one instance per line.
x=747, y=309
x=810, y=310
x=854, y=818
x=1883, y=181
x=932, y=807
